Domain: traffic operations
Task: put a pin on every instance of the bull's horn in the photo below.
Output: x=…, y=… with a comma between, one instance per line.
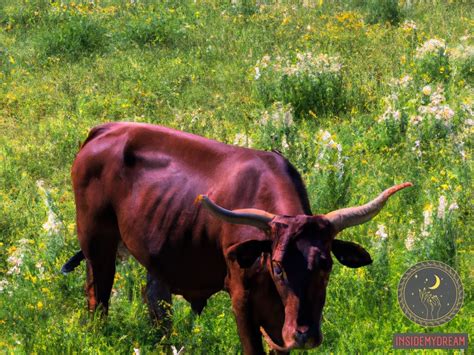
x=352, y=216
x=249, y=216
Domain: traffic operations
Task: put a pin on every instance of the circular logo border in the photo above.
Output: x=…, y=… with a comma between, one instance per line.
x=459, y=293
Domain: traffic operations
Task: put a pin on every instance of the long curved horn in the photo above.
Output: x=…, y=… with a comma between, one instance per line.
x=249, y=216
x=352, y=216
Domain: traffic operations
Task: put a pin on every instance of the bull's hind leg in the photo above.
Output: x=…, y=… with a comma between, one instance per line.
x=99, y=244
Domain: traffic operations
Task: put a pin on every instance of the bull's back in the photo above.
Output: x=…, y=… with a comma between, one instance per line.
x=149, y=176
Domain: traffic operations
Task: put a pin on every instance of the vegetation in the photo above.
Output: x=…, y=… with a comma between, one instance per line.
x=358, y=97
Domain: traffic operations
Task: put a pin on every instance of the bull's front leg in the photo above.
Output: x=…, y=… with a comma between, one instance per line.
x=249, y=332
x=157, y=296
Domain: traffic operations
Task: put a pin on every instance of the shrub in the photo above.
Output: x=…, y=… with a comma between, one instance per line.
x=432, y=61
x=152, y=29
x=72, y=37
x=381, y=11
x=309, y=83
x=463, y=62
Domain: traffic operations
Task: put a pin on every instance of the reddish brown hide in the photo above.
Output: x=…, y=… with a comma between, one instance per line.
x=136, y=183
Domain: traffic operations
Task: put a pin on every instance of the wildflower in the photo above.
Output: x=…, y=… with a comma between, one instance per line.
x=176, y=351
x=417, y=149
x=136, y=351
x=409, y=25
x=284, y=143
x=3, y=285
x=53, y=224
x=39, y=266
x=15, y=261
x=441, y=207
x=402, y=82
x=414, y=120
x=40, y=305
x=431, y=46
x=427, y=213
x=445, y=112
x=257, y=73
x=325, y=135
x=242, y=139
x=410, y=241
x=426, y=90
x=381, y=232
x=453, y=206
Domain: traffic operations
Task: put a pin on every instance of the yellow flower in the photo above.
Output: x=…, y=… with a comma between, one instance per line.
x=434, y=179
x=40, y=305
x=445, y=187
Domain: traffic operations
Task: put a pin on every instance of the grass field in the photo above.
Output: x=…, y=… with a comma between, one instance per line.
x=359, y=95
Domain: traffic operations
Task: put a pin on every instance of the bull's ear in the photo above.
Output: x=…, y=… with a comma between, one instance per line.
x=245, y=253
x=350, y=254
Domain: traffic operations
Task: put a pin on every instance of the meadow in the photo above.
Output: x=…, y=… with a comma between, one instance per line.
x=359, y=95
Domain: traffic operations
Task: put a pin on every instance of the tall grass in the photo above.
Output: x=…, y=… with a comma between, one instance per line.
x=394, y=112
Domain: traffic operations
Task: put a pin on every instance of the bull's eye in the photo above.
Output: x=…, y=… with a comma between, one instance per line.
x=278, y=271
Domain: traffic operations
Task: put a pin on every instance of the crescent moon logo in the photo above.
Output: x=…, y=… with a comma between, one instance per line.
x=436, y=284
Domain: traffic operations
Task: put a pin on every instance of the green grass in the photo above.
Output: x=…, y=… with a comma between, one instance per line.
x=191, y=66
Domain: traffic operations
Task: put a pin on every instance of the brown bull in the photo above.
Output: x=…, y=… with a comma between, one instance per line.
x=138, y=184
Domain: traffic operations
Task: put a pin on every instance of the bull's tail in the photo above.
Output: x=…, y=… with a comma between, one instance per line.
x=73, y=262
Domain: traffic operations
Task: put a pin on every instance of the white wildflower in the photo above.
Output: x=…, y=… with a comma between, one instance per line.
x=431, y=46
x=416, y=119
x=469, y=122
x=441, y=207
x=325, y=135
x=53, y=224
x=438, y=96
x=427, y=217
x=417, y=149
x=15, y=261
x=284, y=143
x=3, y=285
x=257, y=73
x=241, y=139
x=39, y=266
x=402, y=82
x=445, y=112
x=288, y=118
x=381, y=233
x=453, y=206
x=265, y=119
x=176, y=351
x=136, y=351
x=410, y=241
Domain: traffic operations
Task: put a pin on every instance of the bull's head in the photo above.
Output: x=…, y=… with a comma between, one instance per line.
x=299, y=259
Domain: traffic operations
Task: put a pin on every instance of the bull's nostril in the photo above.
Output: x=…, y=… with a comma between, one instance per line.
x=301, y=336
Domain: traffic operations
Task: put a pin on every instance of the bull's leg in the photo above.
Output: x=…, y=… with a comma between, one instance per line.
x=249, y=332
x=99, y=238
x=157, y=296
x=100, y=278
